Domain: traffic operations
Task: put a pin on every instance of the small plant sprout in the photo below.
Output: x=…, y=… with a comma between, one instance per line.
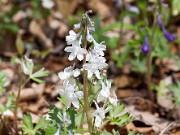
x=79, y=95
x=27, y=67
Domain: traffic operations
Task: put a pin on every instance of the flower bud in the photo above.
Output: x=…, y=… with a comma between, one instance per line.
x=145, y=47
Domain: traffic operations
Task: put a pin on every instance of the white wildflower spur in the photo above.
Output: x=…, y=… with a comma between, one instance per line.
x=99, y=114
x=68, y=72
x=105, y=94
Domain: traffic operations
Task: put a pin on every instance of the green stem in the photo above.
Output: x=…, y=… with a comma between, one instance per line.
x=82, y=120
x=149, y=63
x=17, y=102
x=85, y=90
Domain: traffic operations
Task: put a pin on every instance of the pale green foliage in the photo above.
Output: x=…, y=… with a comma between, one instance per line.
x=19, y=46
x=3, y=80
x=176, y=90
x=116, y=118
x=40, y=73
x=113, y=133
x=133, y=133
x=28, y=127
x=8, y=105
x=10, y=100
x=176, y=7
x=28, y=68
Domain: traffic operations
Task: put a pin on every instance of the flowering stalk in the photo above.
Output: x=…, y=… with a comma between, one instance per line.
x=16, y=105
x=149, y=63
x=85, y=90
x=93, y=63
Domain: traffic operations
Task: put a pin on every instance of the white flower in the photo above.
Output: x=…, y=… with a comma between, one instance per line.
x=99, y=114
x=89, y=36
x=47, y=4
x=95, y=64
x=27, y=65
x=71, y=95
x=68, y=72
x=76, y=50
x=106, y=94
x=99, y=48
x=113, y=98
x=72, y=38
x=105, y=91
x=77, y=26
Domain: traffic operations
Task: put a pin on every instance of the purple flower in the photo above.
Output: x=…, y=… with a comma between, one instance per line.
x=167, y=35
x=145, y=47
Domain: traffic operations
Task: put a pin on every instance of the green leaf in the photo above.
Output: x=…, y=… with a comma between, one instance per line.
x=115, y=132
x=175, y=88
x=50, y=130
x=53, y=114
x=117, y=110
x=28, y=125
x=78, y=117
x=10, y=102
x=3, y=81
x=122, y=120
x=106, y=133
x=176, y=7
x=40, y=73
x=40, y=124
x=112, y=43
x=72, y=113
x=19, y=46
x=81, y=131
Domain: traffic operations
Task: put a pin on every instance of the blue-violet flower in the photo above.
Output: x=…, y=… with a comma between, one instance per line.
x=168, y=36
x=145, y=47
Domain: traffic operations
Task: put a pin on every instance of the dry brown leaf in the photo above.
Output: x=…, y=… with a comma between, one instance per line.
x=123, y=93
x=66, y=7
x=122, y=81
x=99, y=7
x=171, y=64
x=19, y=16
x=34, y=108
x=53, y=23
x=63, y=30
x=35, y=29
x=165, y=102
x=31, y=93
x=157, y=124
x=35, y=117
x=144, y=130
x=176, y=133
x=131, y=127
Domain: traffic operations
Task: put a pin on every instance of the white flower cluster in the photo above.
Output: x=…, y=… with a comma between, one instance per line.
x=94, y=63
x=70, y=89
